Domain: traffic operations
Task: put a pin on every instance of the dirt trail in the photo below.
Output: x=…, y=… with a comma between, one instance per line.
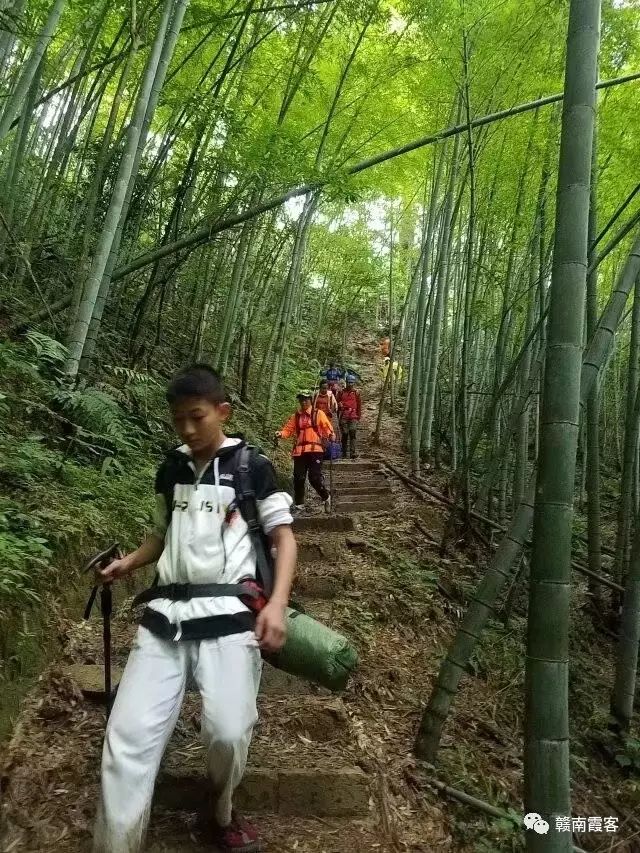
x=335, y=774
x=327, y=773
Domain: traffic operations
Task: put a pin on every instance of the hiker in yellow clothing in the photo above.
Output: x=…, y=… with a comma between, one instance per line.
x=397, y=369
x=312, y=429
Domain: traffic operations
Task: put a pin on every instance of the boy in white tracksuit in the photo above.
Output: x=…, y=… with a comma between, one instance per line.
x=199, y=538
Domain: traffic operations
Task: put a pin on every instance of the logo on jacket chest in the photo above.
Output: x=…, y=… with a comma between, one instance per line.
x=205, y=498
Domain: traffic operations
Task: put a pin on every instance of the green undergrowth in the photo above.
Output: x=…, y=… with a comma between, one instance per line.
x=76, y=473
x=488, y=765
x=481, y=752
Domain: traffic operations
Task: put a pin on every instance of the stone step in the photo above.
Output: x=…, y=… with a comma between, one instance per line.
x=275, y=682
x=297, y=791
x=317, y=608
x=357, y=465
x=319, y=586
x=323, y=523
x=327, y=552
x=374, y=504
x=90, y=679
x=186, y=832
x=374, y=489
x=366, y=478
x=291, y=767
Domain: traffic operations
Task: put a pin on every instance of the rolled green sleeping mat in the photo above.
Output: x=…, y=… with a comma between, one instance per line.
x=316, y=653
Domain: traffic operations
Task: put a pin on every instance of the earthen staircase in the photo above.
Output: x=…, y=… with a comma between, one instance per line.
x=292, y=769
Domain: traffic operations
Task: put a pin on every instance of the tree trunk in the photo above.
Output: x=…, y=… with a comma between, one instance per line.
x=107, y=250
x=292, y=283
x=546, y=766
x=234, y=293
x=629, y=448
x=19, y=147
x=7, y=37
x=97, y=181
x=439, y=306
x=522, y=430
x=485, y=597
x=624, y=688
x=593, y=402
x=14, y=103
x=415, y=395
x=468, y=297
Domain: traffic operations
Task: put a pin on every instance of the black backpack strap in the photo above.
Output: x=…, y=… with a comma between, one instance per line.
x=247, y=504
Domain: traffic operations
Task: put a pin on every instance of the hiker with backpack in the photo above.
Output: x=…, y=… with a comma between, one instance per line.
x=334, y=375
x=216, y=605
x=350, y=412
x=324, y=400
x=312, y=430
x=397, y=370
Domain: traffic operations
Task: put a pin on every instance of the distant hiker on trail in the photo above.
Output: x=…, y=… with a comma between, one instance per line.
x=311, y=428
x=325, y=400
x=385, y=346
x=351, y=376
x=333, y=374
x=201, y=620
x=397, y=369
x=350, y=409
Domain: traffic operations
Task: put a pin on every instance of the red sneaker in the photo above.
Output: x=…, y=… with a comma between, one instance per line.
x=239, y=836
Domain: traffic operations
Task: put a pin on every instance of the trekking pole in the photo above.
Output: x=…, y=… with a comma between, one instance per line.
x=333, y=508
x=101, y=561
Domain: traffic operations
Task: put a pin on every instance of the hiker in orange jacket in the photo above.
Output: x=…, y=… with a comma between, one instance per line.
x=350, y=408
x=311, y=429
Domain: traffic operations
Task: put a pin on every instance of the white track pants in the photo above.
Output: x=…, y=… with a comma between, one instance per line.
x=146, y=709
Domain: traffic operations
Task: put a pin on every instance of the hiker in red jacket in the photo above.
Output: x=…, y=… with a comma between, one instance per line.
x=350, y=410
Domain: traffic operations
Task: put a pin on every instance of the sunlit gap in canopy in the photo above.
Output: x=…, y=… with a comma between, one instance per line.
x=396, y=22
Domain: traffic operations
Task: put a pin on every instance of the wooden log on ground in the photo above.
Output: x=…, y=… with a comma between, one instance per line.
x=479, y=805
x=423, y=487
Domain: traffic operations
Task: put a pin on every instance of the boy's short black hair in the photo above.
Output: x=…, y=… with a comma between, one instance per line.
x=197, y=380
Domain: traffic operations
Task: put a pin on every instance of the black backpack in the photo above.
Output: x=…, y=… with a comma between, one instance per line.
x=248, y=508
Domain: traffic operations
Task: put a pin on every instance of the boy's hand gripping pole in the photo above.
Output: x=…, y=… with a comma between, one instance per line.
x=101, y=561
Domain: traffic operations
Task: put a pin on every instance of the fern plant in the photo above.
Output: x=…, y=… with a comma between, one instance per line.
x=141, y=395
x=23, y=462
x=24, y=553
x=98, y=413
x=48, y=350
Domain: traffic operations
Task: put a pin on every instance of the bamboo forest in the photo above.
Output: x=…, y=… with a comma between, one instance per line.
x=388, y=247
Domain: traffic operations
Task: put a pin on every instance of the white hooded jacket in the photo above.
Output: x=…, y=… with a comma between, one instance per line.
x=206, y=539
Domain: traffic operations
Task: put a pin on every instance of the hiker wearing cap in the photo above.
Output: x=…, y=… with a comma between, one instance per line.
x=350, y=410
x=311, y=428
